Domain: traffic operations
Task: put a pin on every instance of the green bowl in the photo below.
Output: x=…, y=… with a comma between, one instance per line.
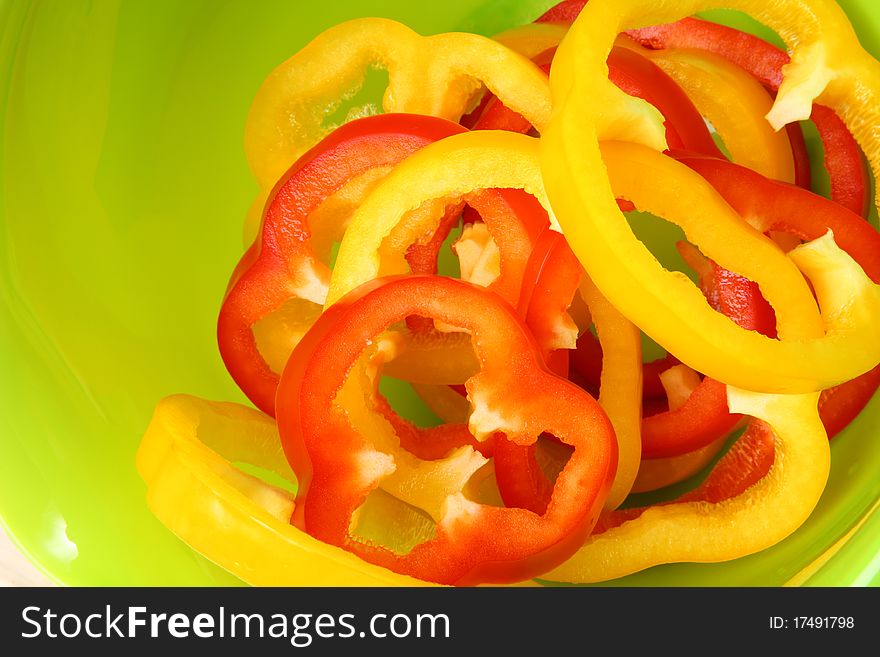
x=124, y=188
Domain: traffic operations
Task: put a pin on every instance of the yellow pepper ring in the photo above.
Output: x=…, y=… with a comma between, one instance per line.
x=436, y=75
x=638, y=174
x=393, y=215
x=449, y=168
x=828, y=63
x=620, y=387
x=763, y=515
x=234, y=519
x=813, y=353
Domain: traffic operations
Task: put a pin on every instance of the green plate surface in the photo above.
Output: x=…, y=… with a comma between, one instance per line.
x=123, y=188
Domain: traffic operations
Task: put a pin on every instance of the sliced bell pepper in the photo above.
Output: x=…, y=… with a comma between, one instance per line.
x=758, y=493
x=233, y=518
x=434, y=75
x=828, y=63
x=811, y=354
x=283, y=272
x=338, y=464
x=556, y=275
x=771, y=206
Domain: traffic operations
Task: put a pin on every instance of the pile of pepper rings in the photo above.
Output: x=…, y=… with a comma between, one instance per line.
x=531, y=353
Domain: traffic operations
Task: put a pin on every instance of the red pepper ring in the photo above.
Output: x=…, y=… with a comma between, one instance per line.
x=337, y=467
x=540, y=317
x=549, y=283
x=281, y=263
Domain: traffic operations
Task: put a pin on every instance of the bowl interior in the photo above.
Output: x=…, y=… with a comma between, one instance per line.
x=124, y=188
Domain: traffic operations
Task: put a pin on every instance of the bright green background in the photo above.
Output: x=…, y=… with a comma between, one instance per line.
x=124, y=186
